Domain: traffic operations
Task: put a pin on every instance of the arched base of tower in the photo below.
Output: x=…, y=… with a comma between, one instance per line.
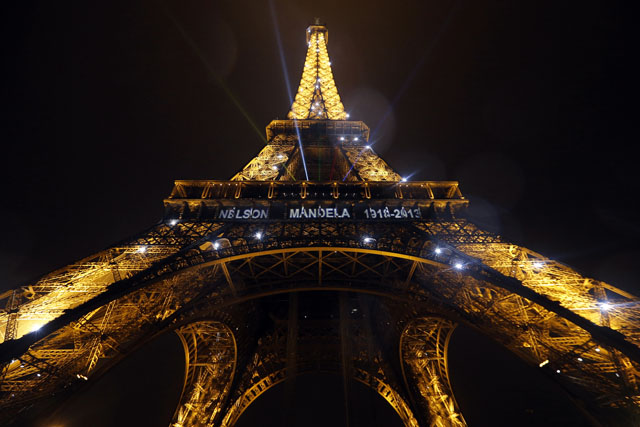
x=319, y=401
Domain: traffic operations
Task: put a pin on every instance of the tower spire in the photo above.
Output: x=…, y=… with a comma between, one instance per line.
x=317, y=97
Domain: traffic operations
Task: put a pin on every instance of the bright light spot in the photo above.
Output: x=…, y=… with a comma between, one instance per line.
x=280, y=156
x=558, y=371
x=173, y=222
x=579, y=359
x=403, y=179
x=329, y=62
x=347, y=115
x=36, y=328
x=543, y=363
x=458, y=266
x=605, y=306
x=538, y=265
x=342, y=138
x=142, y=249
x=598, y=349
x=38, y=374
x=82, y=377
x=275, y=168
x=216, y=245
x=368, y=239
x=355, y=139
x=438, y=250
x=258, y=235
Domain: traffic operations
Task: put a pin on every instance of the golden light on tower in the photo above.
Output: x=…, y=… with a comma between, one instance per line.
x=224, y=247
x=317, y=97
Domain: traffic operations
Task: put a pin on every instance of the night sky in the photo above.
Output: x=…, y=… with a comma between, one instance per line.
x=531, y=106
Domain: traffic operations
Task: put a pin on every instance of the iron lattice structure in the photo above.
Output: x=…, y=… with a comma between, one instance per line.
x=317, y=213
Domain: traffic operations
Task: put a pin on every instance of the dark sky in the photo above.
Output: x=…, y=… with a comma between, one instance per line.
x=530, y=105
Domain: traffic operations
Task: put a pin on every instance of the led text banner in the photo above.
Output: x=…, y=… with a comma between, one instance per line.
x=321, y=211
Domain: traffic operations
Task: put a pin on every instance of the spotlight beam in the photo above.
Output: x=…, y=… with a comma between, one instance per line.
x=283, y=62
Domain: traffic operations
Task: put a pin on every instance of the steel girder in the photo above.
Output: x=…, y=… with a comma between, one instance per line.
x=210, y=364
x=423, y=351
x=319, y=347
x=497, y=295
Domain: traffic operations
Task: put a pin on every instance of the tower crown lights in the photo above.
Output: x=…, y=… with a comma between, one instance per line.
x=317, y=27
x=317, y=97
x=317, y=142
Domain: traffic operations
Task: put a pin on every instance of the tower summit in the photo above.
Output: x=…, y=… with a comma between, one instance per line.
x=317, y=97
x=317, y=142
x=317, y=257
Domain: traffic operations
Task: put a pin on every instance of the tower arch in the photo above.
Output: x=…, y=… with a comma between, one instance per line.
x=210, y=364
x=317, y=211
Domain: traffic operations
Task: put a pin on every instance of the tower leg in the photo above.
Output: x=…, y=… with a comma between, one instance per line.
x=423, y=352
x=210, y=362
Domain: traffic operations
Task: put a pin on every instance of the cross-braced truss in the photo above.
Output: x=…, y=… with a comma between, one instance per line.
x=317, y=96
x=210, y=362
x=270, y=163
x=403, y=265
x=423, y=348
x=369, y=166
x=228, y=243
x=318, y=346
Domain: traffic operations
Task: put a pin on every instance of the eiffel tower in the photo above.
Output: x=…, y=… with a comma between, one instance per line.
x=317, y=223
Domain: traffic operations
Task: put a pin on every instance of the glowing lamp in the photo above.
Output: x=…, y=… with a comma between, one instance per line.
x=605, y=306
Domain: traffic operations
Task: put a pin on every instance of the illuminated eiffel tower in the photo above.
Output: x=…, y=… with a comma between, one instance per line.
x=317, y=257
